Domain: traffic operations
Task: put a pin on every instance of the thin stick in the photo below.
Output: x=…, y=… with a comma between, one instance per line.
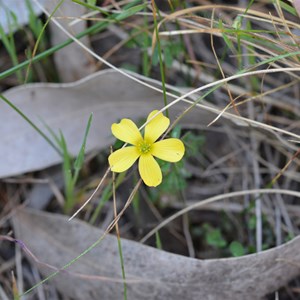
x=217, y=198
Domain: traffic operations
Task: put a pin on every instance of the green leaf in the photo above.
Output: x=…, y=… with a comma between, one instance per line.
x=214, y=238
x=227, y=40
x=168, y=56
x=237, y=22
x=158, y=241
x=80, y=158
x=130, y=12
x=236, y=249
x=155, y=57
x=177, y=49
x=288, y=8
x=193, y=144
x=252, y=222
x=92, y=2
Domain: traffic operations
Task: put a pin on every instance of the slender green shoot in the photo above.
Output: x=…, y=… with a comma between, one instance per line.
x=158, y=241
x=80, y=158
x=71, y=170
x=146, y=65
x=9, y=42
x=67, y=172
x=161, y=63
x=14, y=287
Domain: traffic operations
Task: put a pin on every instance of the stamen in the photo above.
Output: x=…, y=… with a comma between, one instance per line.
x=144, y=147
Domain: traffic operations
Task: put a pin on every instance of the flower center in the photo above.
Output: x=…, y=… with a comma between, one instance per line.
x=144, y=147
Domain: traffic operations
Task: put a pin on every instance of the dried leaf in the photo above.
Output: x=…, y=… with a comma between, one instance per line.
x=109, y=95
x=151, y=273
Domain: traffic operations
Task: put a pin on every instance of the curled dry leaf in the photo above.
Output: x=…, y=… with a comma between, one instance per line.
x=150, y=273
x=109, y=95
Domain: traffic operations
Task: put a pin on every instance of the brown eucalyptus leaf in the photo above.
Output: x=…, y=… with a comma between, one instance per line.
x=151, y=273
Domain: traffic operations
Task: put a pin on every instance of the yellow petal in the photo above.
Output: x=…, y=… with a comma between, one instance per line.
x=126, y=131
x=156, y=127
x=149, y=170
x=123, y=159
x=170, y=150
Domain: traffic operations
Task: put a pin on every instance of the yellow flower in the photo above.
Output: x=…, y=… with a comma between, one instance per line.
x=145, y=148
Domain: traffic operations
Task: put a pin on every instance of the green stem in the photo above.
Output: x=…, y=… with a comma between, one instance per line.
x=119, y=237
x=161, y=65
x=122, y=267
